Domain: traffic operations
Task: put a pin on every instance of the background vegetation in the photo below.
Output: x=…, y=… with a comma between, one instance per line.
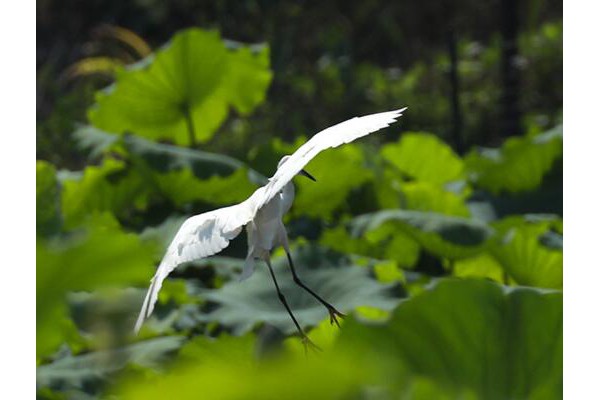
x=440, y=237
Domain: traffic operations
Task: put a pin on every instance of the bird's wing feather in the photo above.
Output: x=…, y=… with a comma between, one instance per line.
x=198, y=237
x=344, y=132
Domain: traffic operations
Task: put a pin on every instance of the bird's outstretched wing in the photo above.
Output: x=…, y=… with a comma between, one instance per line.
x=344, y=132
x=198, y=237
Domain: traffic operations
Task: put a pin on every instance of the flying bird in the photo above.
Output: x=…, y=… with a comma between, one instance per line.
x=207, y=234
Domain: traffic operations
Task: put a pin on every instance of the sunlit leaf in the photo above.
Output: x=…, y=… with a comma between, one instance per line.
x=384, y=242
x=202, y=349
x=339, y=239
x=337, y=173
x=521, y=251
x=393, y=245
x=480, y=266
x=184, y=91
x=519, y=165
x=388, y=272
x=387, y=188
x=175, y=290
x=424, y=157
x=313, y=378
x=108, y=187
x=324, y=334
x=424, y=196
x=182, y=187
x=248, y=77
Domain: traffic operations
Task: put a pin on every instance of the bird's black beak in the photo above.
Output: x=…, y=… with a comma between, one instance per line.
x=309, y=176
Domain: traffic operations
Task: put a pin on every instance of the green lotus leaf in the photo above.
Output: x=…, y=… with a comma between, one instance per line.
x=519, y=165
x=165, y=158
x=424, y=157
x=183, y=187
x=474, y=335
x=99, y=255
x=338, y=172
x=445, y=236
x=72, y=373
x=479, y=266
x=242, y=305
x=111, y=187
x=424, y=196
x=182, y=92
x=522, y=248
x=384, y=242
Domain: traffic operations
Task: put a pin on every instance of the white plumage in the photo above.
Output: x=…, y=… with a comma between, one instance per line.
x=207, y=234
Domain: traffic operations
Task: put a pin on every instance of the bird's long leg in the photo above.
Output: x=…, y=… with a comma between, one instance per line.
x=305, y=340
x=333, y=313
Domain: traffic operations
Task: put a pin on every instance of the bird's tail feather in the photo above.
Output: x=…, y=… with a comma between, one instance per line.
x=144, y=313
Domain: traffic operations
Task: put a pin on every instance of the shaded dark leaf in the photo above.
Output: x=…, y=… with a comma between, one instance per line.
x=242, y=305
x=78, y=372
x=445, y=236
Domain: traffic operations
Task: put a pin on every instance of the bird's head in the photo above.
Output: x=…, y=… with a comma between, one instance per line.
x=302, y=172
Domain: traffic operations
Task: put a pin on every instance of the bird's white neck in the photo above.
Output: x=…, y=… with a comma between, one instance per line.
x=288, y=194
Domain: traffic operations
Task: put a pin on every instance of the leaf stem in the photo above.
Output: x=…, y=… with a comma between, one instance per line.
x=505, y=278
x=190, y=125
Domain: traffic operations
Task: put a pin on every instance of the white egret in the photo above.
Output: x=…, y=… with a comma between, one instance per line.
x=206, y=234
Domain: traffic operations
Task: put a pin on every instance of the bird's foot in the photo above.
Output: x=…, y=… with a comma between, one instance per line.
x=333, y=314
x=308, y=344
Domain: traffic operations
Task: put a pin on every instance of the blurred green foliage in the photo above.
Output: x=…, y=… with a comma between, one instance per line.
x=448, y=294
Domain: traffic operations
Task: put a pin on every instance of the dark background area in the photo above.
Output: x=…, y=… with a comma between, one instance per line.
x=473, y=72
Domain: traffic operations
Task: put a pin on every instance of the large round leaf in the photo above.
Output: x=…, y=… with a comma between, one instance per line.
x=182, y=93
x=519, y=165
x=424, y=157
x=472, y=334
x=424, y=196
x=529, y=251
